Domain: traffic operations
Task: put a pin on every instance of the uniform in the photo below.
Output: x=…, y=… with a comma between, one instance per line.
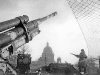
x=81, y=65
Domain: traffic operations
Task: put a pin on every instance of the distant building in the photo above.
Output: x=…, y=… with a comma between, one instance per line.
x=46, y=58
x=58, y=60
x=47, y=55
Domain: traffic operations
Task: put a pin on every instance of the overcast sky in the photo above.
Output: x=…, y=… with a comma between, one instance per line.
x=62, y=31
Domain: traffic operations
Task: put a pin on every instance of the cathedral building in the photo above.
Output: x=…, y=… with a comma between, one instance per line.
x=47, y=55
x=46, y=58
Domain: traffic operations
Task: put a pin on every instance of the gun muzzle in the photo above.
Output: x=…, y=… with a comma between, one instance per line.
x=46, y=17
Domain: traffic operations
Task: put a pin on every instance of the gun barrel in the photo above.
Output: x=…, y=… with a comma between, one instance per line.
x=34, y=24
x=46, y=17
x=18, y=41
x=13, y=22
x=10, y=35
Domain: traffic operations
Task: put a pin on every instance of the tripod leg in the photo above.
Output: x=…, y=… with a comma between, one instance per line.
x=13, y=71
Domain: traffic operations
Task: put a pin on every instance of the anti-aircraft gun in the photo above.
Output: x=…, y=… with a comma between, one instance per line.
x=16, y=32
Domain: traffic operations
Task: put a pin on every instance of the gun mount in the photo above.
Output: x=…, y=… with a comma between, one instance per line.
x=23, y=32
x=16, y=32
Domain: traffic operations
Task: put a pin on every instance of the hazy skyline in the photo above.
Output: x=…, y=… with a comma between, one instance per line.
x=62, y=31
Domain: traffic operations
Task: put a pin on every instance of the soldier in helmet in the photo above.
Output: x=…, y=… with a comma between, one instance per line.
x=81, y=64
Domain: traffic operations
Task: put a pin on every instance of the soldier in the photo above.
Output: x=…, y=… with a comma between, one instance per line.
x=82, y=65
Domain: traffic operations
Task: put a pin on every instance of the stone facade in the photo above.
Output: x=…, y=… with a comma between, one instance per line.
x=47, y=57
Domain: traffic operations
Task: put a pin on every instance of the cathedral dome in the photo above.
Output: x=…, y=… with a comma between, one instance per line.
x=48, y=50
x=47, y=55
